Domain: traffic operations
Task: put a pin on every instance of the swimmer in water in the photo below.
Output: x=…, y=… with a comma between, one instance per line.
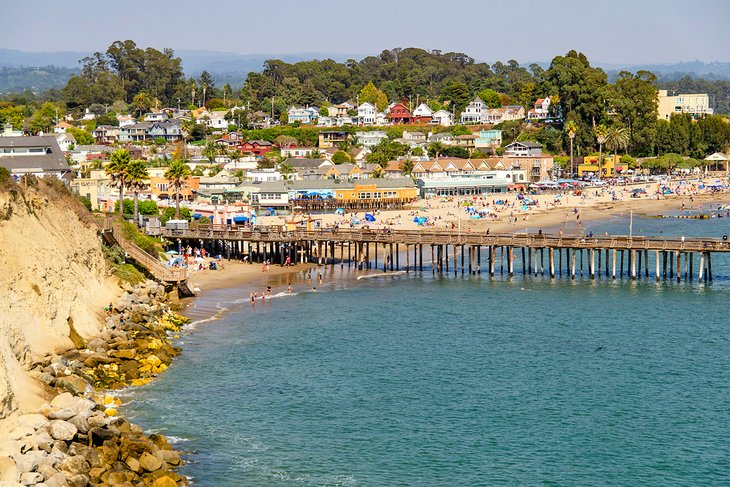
x=288, y=289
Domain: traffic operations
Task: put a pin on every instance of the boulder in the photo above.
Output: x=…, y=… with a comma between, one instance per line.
x=58, y=480
x=77, y=480
x=98, y=436
x=28, y=461
x=34, y=421
x=127, y=353
x=165, y=481
x=63, y=414
x=74, y=464
x=98, y=420
x=81, y=424
x=160, y=441
x=170, y=457
x=63, y=430
x=63, y=401
x=47, y=471
x=8, y=470
x=31, y=478
x=133, y=464
x=150, y=462
x=43, y=441
x=95, y=344
x=73, y=384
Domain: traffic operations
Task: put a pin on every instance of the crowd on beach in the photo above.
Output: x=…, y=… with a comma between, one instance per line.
x=265, y=295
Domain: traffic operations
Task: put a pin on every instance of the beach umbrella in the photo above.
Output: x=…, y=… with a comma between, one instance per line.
x=172, y=252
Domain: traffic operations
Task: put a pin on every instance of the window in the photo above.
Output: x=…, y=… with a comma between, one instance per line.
x=364, y=196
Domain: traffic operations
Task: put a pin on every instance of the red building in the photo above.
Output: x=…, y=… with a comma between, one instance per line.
x=400, y=114
x=256, y=147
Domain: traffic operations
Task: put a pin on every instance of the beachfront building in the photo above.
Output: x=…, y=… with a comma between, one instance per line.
x=477, y=184
x=37, y=155
x=538, y=167
x=161, y=188
x=473, y=112
x=608, y=168
x=697, y=105
x=106, y=134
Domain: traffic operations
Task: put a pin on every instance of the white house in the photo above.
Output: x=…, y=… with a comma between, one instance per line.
x=298, y=151
x=540, y=110
x=302, y=115
x=443, y=117
x=66, y=141
x=423, y=110
x=125, y=120
x=217, y=119
x=367, y=114
x=155, y=117
x=370, y=138
x=473, y=111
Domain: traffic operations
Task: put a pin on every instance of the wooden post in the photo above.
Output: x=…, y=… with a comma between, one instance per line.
x=646, y=263
x=560, y=262
x=632, y=262
x=671, y=267
x=433, y=268
x=420, y=257
x=552, y=263
x=701, y=273
x=592, y=263
x=691, y=265
x=613, y=265
x=479, y=259
x=679, y=266
x=657, y=265
x=572, y=268
x=709, y=266
x=408, y=259
x=639, y=267
x=523, y=261
x=492, y=250
x=542, y=261
x=462, y=259
x=510, y=264
x=455, y=267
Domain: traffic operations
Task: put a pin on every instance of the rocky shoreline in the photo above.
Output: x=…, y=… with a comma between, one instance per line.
x=78, y=438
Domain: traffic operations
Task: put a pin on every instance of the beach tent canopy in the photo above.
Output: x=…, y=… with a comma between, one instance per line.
x=197, y=216
x=369, y=217
x=240, y=219
x=176, y=260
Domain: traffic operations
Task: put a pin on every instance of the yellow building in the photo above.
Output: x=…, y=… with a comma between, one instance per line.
x=608, y=168
x=697, y=105
x=400, y=190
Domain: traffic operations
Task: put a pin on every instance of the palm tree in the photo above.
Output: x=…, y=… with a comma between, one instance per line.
x=571, y=129
x=436, y=148
x=137, y=177
x=177, y=174
x=378, y=172
x=617, y=138
x=117, y=170
x=286, y=170
x=601, y=134
x=211, y=150
x=406, y=166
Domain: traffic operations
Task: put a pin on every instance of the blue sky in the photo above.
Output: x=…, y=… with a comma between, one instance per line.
x=609, y=31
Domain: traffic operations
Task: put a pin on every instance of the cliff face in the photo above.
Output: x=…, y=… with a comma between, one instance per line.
x=53, y=281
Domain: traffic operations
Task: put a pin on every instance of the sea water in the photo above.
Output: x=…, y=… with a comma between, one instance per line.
x=419, y=379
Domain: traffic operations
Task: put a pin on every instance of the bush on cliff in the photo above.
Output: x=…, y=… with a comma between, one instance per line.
x=150, y=245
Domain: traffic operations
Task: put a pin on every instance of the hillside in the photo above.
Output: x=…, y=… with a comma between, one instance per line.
x=54, y=279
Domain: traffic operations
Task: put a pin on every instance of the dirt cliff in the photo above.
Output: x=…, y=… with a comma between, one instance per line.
x=54, y=284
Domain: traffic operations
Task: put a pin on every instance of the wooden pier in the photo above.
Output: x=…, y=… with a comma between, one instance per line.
x=612, y=256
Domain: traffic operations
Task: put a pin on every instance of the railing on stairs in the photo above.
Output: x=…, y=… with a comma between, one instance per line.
x=134, y=252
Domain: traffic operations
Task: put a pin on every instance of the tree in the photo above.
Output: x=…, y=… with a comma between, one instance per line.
x=406, y=166
x=211, y=150
x=571, y=128
x=177, y=174
x=435, y=149
x=142, y=103
x=137, y=177
x=458, y=94
x=285, y=141
x=45, y=117
x=374, y=96
x=286, y=170
x=207, y=86
x=633, y=99
x=117, y=170
x=378, y=172
x=340, y=157
x=617, y=138
x=490, y=98
x=460, y=130
x=601, y=135
x=83, y=137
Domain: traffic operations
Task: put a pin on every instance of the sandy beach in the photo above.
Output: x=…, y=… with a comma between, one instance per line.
x=505, y=212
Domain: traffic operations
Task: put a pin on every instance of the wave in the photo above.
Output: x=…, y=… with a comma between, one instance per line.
x=382, y=274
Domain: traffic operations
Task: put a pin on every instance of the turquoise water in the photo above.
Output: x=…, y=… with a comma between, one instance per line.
x=422, y=380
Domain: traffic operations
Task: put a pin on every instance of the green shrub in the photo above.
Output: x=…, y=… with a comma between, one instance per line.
x=4, y=175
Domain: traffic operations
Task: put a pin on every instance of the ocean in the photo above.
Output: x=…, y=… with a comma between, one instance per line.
x=427, y=380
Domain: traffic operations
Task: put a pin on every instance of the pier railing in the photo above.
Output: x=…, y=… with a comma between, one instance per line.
x=451, y=237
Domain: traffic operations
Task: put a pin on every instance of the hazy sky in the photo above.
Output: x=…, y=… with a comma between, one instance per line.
x=610, y=31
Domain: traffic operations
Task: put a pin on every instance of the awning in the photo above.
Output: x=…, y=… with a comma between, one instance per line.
x=240, y=219
x=197, y=216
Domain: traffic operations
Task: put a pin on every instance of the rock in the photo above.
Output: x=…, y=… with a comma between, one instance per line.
x=43, y=441
x=47, y=378
x=58, y=480
x=128, y=353
x=90, y=455
x=81, y=424
x=169, y=456
x=160, y=441
x=47, y=471
x=75, y=464
x=77, y=480
x=63, y=414
x=63, y=401
x=95, y=344
x=164, y=482
x=99, y=435
x=133, y=464
x=98, y=420
x=73, y=384
x=150, y=462
x=31, y=478
x=96, y=472
x=63, y=430
x=28, y=461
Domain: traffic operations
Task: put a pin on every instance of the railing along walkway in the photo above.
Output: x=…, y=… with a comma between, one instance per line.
x=451, y=237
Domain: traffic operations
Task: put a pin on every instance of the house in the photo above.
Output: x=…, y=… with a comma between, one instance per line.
x=414, y=137
x=169, y=130
x=302, y=115
x=523, y=149
x=538, y=167
x=541, y=109
x=155, y=117
x=66, y=141
x=513, y=112
x=488, y=138
x=84, y=154
x=9, y=132
x=37, y=155
x=400, y=114
x=697, y=105
x=443, y=118
x=136, y=132
x=445, y=138
x=106, y=134
x=331, y=139
x=422, y=114
x=61, y=127
x=216, y=119
x=298, y=151
x=219, y=181
x=97, y=188
x=608, y=167
x=367, y=114
x=125, y=120
x=256, y=147
x=269, y=194
x=341, y=110
x=370, y=138
x=467, y=141
x=162, y=190
x=473, y=112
